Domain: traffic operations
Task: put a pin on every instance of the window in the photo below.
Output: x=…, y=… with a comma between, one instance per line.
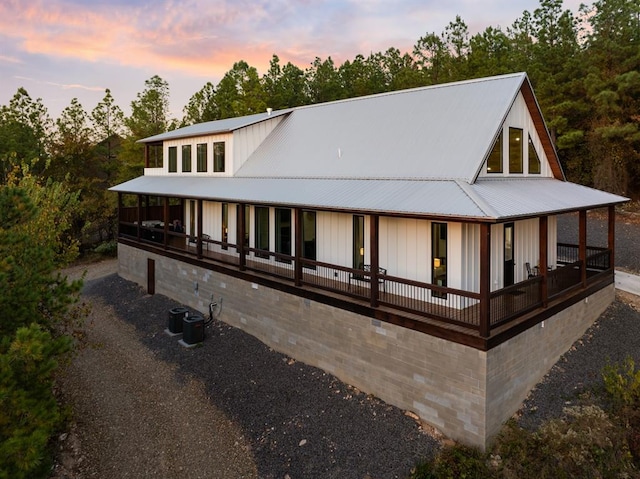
x=173, y=159
x=515, y=150
x=534, y=159
x=494, y=163
x=247, y=224
x=262, y=230
x=186, y=158
x=283, y=233
x=439, y=257
x=218, y=156
x=201, y=155
x=309, y=236
x=225, y=225
x=358, y=242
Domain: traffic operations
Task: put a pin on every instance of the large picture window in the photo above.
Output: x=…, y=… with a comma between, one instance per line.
x=201, y=155
x=515, y=150
x=283, y=233
x=439, y=257
x=218, y=156
x=186, y=158
x=534, y=159
x=494, y=163
x=173, y=159
x=262, y=230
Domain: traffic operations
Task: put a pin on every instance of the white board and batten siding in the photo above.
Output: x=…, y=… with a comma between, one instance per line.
x=519, y=117
x=526, y=249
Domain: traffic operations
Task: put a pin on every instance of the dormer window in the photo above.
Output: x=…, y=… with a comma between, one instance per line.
x=218, y=157
x=534, y=159
x=515, y=150
x=494, y=162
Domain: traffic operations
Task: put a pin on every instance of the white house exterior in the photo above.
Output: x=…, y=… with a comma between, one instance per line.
x=405, y=242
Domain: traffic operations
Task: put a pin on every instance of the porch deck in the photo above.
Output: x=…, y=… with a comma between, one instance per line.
x=417, y=305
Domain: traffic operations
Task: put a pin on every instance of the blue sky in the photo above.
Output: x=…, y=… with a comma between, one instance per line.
x=61, y=49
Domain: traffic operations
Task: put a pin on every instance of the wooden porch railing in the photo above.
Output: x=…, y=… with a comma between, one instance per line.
x=443, y=304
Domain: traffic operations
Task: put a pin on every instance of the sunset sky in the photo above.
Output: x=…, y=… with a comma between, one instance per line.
x=61, y=49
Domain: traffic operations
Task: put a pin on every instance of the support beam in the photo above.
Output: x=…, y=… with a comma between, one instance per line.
x=146, y=155
x=582, y=246
x=485, y=280
x=165, y=219
x=374, y=256
x=139, y=216
x=543, y=226
x=199, y=238
x=611, y=241
x=241, y=234
x=298, y=247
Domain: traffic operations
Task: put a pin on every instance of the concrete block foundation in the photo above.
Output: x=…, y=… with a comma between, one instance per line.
x=466, y=393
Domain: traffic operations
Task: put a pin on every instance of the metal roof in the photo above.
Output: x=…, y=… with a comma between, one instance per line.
x=488, y=200
x=213, y=127
x=436, y=132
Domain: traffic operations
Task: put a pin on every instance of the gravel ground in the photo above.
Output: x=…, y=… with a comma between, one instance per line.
x=147, y=407
x=613, y=337
x=298, y=421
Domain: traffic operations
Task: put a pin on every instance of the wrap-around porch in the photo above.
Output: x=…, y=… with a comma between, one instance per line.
x=481, y=318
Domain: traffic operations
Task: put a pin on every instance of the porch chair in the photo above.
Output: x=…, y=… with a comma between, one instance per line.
x=367, y=278
x=531, y=272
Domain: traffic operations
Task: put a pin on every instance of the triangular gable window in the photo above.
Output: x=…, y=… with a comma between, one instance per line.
x=494, y=162
x=534, y=159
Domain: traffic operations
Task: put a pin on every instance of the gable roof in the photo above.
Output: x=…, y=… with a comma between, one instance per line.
x=410, y=152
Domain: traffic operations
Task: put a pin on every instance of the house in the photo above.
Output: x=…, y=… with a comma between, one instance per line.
x=405, y=242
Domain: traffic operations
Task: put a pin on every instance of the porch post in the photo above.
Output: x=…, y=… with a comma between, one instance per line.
x=485, y=279
x=199, y=239
x=375, y=262
x=139, y=215
x=582, y=246
x=241, y=233
x=611, y=241
x=543, y=223
x=146, y=155
x=298, y=248
x=165, y=220
x=120, y=209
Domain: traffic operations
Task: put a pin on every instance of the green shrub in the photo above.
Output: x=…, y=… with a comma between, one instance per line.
x=29, y=413
x=108, y=248
x=454, y=462
x=585, y=442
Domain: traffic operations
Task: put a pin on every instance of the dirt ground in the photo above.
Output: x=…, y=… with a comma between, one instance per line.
x=129, y=418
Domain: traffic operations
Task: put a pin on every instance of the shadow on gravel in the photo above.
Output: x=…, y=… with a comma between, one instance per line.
x=300, y=420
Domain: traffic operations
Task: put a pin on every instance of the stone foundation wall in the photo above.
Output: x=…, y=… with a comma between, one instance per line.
x=465, y=393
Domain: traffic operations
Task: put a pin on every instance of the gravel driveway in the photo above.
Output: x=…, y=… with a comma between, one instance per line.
x=146, y=407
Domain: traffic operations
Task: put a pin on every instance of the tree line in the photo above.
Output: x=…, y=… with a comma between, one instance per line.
x=585, y=69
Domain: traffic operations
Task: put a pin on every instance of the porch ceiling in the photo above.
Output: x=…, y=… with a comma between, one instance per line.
x=485, y=200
